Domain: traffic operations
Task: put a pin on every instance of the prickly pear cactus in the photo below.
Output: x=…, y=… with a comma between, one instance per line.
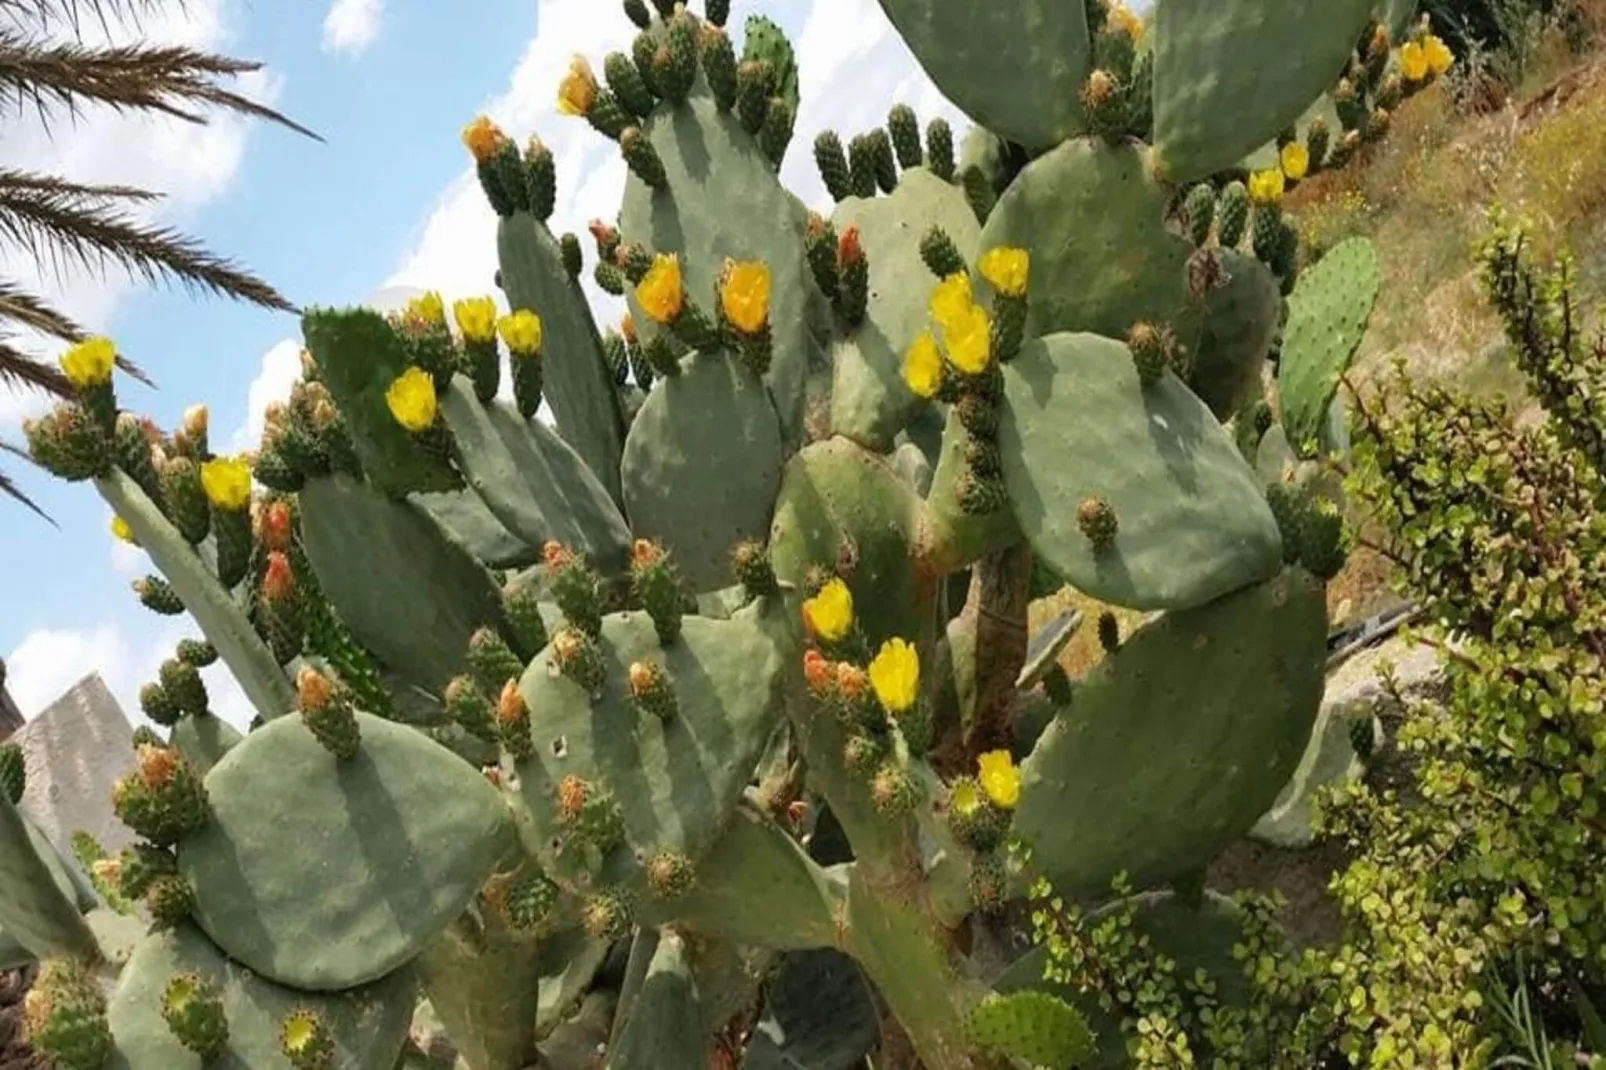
x=574, y=729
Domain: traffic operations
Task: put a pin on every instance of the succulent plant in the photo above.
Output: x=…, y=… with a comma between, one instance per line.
x=528, y=689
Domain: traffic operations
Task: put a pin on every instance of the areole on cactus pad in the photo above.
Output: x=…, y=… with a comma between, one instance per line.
x=583, y=727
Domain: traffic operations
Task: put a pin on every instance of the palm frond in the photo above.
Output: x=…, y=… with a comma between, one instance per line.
x=63, y=226
x=11, y=490
x=27, y=309
x=171, y=79
x=19, y=369
x=46, y=13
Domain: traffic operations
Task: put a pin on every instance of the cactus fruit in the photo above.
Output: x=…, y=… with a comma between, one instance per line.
x=526, y=692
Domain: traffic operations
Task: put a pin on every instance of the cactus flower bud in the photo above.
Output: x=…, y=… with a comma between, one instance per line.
x=670, y=875
x=274, y=528
x=121, y=532
x=162, y=799
x=754, y=570
x=89, y=363
x=1295, y=161
x=1096, y=518
x=652, y=692
x=973, y=818
x=1266, y=187
x=572, y=795
x=278, y=579
x=575, y=655
x=999, y=778
x=193, y=1010
x=893, y=790
x=513, y=722
x=819, y=674
x=606, y=917
x=227, y=482
x=848, y=249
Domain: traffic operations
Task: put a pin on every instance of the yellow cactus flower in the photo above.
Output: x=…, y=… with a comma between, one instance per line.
x=483, y=138
x=428, y=307
x=227, y=482
x=1000, y=778
x=895, y=676
x=1440, y=58
x=830, y=613
x=744, y=294
x=951, y=299
x=578, y=90
x=1295, y=160
x=1414, y=62
x=1125, y=20
x=89, y=363
x=522, y=332
x=661, y=292
x=922, y=366
x=1266, y=187
x=122, y=531
x=969, y=340
x=476, y=318
x=965, y=799
x=411, y=399
x=1005, y=269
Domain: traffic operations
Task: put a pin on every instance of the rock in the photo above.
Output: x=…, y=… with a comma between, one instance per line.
x=75, y=751
x=1354, y=690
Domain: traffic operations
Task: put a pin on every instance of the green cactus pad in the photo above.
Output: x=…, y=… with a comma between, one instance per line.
x=405, y=588
x=483, y=981
x=576, y=380
x=869, y=401
x=1016, y=69
x=664, y=1025
x=533, y=481
x=1077, y=424
x=1230, y=74
x=763, y=40
x=368, y=1025
x=675, y=782
x=764, y=890
x=1327, y=317
x=301, y=848
x=568, y=963
x=469, y=520
x=1241, y=320
x=1102, y=258
x=817, y=1013
x=1177, y=744
x=1268, y=156
x=214, y=609
x=838, y=501
x=38, y=901
x=724, y=200
x=702, y=466
x=359, y=355
x=203, y=741
x=1398, y=15
x=1038, y=1027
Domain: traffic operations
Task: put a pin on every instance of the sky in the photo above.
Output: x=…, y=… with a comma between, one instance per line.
x=386, y=205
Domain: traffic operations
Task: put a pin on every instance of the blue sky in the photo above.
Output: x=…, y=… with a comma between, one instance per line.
x=387, y=201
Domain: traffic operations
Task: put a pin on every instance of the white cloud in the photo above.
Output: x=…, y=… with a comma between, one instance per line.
x=191, y=164
x=281, y=367
x=352, y=25
x=49, y=661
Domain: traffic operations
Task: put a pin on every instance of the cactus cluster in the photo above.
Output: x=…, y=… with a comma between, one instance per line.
x=532, y=689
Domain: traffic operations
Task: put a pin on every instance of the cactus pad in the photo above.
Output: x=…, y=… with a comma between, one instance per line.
x=842, y=508
x=869, y=401
x=533, y=481
x=1037, y=1027
x=1177, y=744
x=274, y=874
x=1241, y=320
x=469, y=520
x=702, y=466
x=577, y=383
x=1193, y=524
x=1102, y=258
x=767, y=890
x=724, y=200
x=409, y=592
x=367, y=1025
x=39, y=909
x=675, y=782
x=1327, y=317
x=359, y=355
x=203, y=741
x=663, y=1025
x=1016, y=69
x=1231, y=74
